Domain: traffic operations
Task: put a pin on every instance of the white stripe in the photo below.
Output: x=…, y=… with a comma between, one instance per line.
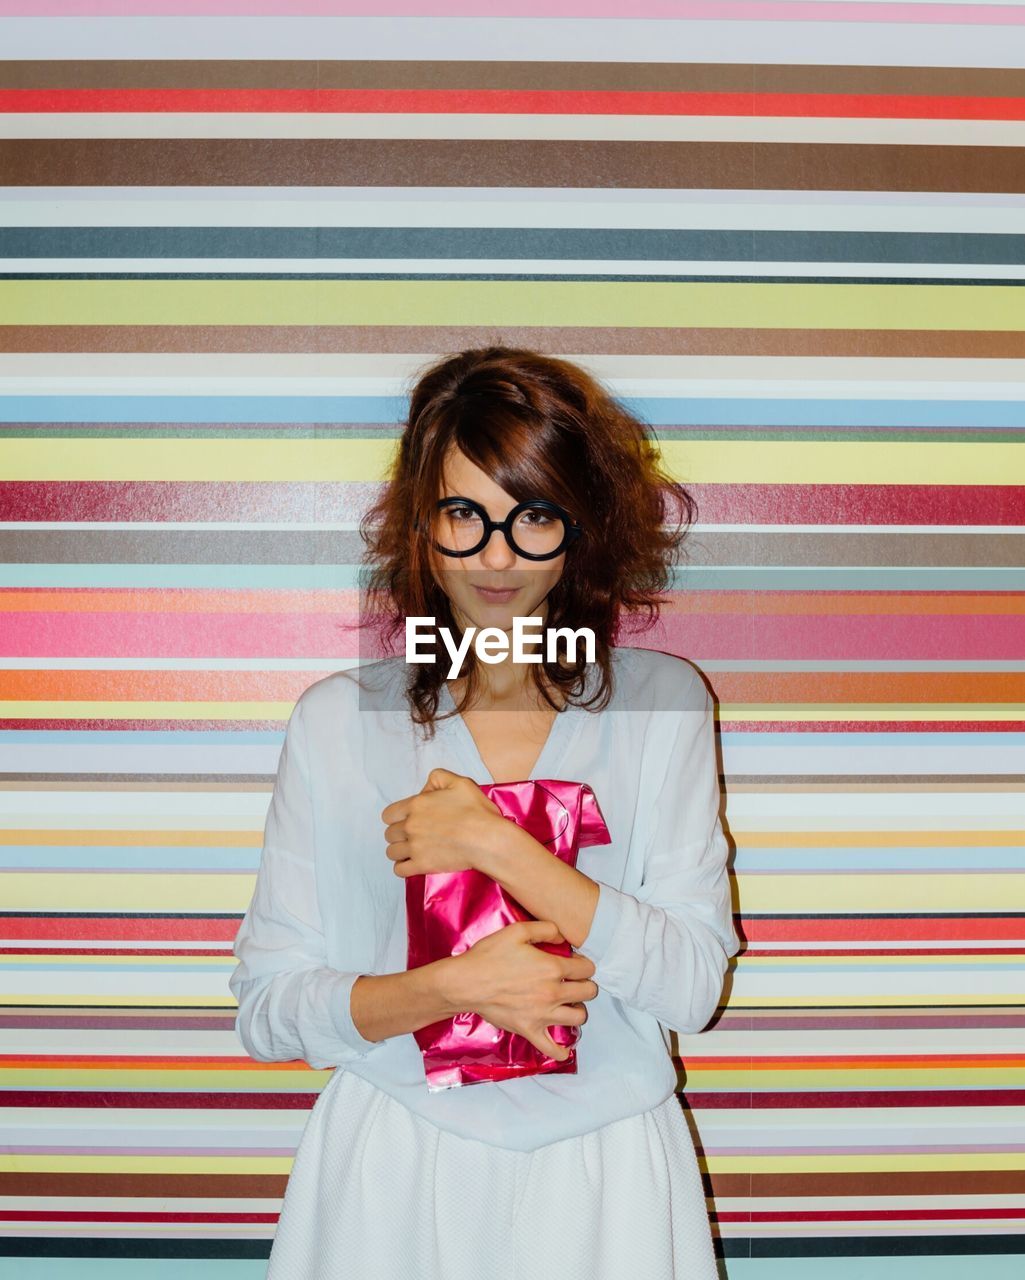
x=517, y=39
x=850, y=808
x=306, y=385
x=866, y=1041
x=749, y=983
x=564, y=127
x=385, y=373
x=56, y=1205
x=518, y=266
x=601, y=208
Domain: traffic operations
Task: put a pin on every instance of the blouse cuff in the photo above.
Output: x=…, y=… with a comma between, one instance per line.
x=340, y=1009
x=606, y=917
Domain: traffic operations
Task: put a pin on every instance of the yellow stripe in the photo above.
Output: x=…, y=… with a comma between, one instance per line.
x=962, y=891
x=227, y=962
x=248, y=1164
x=883, y=1160
x=634, y=304
x=691, y=461
x=924, y=1077
x=121, y=891
x=307, y=1081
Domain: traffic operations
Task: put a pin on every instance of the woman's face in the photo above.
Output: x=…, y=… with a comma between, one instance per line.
x=496, y=564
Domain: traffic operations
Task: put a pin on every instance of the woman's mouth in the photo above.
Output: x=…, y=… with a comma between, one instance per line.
x=495, y=595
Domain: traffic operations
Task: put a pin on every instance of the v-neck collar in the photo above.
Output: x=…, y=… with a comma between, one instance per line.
x=560, y=734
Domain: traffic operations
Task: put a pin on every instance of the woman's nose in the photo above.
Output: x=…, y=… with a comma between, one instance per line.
x=496, y=552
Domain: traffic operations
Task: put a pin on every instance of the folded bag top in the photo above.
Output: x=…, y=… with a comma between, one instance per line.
x=448, y=911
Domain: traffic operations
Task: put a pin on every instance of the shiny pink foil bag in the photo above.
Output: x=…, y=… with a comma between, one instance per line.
x=448, y=911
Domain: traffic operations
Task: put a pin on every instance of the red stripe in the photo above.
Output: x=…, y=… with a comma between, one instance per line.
x=81, y=1215
x=868, y=504
x=881, y=928
x=902, y=106
x=116, y=928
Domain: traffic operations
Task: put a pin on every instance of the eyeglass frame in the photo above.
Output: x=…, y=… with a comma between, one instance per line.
x=571, y=529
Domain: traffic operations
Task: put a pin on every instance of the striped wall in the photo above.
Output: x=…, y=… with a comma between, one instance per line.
x=790, y=235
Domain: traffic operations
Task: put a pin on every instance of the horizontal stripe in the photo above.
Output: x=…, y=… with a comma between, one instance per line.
x=384, y=373
x=720, y=635
x=510, y=163
x=321, y=578
x=492, y=73
x=706, y=549
x=367, y=460
x=874, y=11
x=426, y=208
x=741, y=342
x=869, y=130
x=555, y=244
x=881, y=504
x=526, y=101
x=729, y=686
x=96, y=891
x=639, y=304
x=334, y=402
x=602, y=40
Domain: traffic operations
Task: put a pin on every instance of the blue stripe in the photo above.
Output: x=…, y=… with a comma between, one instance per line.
x=657, y=410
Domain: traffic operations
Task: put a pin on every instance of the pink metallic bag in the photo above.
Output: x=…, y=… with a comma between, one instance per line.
x=448, y=911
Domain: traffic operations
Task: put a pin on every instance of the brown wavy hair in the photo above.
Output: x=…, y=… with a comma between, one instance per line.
x=540, y=427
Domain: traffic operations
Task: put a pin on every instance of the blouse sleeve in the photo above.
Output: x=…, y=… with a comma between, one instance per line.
x=666, y=949
x=291, y=1005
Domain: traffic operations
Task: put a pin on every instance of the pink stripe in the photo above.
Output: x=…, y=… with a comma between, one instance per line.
x=329, y=635
x=709, y=10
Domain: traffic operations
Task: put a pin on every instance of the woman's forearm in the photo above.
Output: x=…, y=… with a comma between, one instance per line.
x=389, y=1004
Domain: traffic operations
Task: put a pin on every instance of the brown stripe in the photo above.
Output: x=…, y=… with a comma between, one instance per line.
x=571, y=340
x=446, y=162
x=959, y=1182
x=856, y=549
x=665, y=76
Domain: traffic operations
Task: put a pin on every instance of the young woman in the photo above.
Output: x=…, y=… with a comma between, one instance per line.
x=520, y=489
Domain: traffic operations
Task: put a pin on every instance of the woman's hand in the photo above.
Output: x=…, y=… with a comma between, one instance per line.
x=446, y=827
x=518, y=987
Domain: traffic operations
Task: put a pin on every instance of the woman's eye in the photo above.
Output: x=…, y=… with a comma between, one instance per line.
x=458, y=513
x=536, y=518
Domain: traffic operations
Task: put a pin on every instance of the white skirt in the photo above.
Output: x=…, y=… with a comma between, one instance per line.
x=376, y=1191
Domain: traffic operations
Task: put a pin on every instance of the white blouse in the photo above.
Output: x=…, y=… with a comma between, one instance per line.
x=328, y=906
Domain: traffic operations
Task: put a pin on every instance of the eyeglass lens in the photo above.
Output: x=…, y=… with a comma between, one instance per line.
x=536, y=531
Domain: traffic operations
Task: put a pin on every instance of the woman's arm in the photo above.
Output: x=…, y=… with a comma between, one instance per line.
x=291, y=1004
x=665, y=949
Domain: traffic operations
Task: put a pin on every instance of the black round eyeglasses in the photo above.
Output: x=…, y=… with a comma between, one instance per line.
x=536, y=529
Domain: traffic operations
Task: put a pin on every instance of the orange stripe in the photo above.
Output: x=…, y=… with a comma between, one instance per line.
x=57, y=685
x=343, y=603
